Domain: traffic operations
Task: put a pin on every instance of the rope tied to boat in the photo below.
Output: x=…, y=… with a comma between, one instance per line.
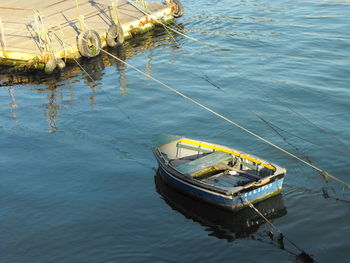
x=227, y=119
x=132, y=2
x=324, y=173
x=303, y=256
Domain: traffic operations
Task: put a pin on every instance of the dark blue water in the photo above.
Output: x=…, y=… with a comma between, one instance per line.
x=77, y=174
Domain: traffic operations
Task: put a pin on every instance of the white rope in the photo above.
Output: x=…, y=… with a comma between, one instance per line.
x=324, y=173
x=170, y=28
x=3, y=42
x=273, y=97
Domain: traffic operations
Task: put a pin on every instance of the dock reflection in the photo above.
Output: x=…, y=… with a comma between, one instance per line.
x=221, y=223
x=90, y=72
x=140, y=44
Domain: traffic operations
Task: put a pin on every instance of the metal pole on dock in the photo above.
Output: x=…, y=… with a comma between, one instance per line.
x=144, y=4
x=38, y=29
x=115, y=11
x=3, y=40
x=80, y=17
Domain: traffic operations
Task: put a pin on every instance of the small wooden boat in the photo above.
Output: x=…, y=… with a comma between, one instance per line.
x=221, y=223
x=216, y=174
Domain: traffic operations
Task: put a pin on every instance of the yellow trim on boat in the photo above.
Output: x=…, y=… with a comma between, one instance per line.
x=269, y=166
x=209, y=146
x=227, y=151
x=250, y=159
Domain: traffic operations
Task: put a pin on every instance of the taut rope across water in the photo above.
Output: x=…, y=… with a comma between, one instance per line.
x=322, y=172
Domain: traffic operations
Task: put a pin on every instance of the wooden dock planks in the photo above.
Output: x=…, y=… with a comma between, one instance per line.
x=26, y=23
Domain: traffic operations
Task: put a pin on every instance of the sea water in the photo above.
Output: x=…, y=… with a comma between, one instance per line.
x=77, y=172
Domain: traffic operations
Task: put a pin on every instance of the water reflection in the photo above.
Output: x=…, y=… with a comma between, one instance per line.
x=88, y=71
x=120, y=67
x=220, y=223
x=13, y=104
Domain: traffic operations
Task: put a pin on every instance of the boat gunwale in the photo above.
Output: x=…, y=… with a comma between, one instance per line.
x=218, y=147
x=211, y=202
x=186, y=178
x=247, y=156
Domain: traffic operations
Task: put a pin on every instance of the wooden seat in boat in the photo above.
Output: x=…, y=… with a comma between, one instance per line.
x=204, y=164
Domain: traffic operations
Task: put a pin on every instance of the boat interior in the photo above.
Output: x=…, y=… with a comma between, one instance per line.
x=215, y=165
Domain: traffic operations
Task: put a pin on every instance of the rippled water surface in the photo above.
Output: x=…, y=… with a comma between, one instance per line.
x=77, y=174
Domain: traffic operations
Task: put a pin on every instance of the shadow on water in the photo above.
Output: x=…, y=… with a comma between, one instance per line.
x=231, y=225
x=220, y=223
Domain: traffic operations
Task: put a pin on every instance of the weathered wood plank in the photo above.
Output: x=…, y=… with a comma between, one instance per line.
x=60, y=18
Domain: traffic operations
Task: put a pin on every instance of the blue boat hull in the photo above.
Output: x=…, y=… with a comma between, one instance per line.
x=231, y=202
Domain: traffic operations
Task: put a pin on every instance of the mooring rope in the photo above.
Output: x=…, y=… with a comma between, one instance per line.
x=323, y=173
x=215, y=46
x=170, y=28
x=284, y=104
x=274, y=127
x=303, y=253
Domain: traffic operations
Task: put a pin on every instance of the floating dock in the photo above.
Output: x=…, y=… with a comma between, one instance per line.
x=42, y=35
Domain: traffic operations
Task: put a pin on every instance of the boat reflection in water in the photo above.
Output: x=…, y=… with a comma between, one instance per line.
x=221, y=223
